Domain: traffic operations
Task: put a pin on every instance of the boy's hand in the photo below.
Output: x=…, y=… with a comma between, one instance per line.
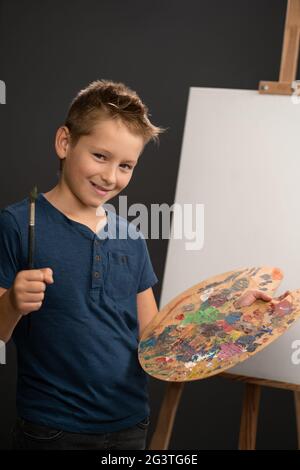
x=249, y=297
x=28, y=290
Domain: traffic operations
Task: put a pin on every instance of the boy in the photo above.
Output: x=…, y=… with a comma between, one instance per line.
x=80, y=385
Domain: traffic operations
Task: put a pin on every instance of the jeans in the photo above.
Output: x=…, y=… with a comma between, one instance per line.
x=30, y=436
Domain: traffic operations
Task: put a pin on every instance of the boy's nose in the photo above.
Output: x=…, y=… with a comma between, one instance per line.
x=109, y=177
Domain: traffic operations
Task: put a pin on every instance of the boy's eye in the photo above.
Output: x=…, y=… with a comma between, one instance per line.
x=126, y=165
x=99, y=155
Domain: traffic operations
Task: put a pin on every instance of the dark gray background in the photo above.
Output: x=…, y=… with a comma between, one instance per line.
x=51, y=49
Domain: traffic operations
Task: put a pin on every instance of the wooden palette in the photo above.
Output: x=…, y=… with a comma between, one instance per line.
x=201, y=333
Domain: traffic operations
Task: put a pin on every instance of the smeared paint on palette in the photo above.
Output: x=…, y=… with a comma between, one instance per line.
x=200, y=333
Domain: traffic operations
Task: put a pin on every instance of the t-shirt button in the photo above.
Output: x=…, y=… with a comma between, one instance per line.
x=96, y=242
x=96, y=274
x=97, y=257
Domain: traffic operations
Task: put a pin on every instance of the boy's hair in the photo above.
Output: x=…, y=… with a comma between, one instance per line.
x=105, y=99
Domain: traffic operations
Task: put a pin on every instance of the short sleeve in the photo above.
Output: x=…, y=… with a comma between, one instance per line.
x=10, y=248
x=148, y=277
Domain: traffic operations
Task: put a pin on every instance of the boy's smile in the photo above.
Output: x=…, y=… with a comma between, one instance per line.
x=97, y=168
x=100, y=190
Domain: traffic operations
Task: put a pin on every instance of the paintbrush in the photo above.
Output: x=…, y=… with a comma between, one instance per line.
x=31, y=236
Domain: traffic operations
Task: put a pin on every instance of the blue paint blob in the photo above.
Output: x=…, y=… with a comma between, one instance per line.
x=233, y=317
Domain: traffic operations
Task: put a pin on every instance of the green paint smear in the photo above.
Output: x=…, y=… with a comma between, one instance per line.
x=206, y=315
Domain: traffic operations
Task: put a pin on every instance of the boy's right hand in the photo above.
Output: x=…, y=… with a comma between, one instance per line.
x=28, y=290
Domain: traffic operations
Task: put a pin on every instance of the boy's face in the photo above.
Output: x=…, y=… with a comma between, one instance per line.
x=106, y=158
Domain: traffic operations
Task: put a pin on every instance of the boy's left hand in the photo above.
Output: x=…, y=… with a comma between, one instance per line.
x=250, y=296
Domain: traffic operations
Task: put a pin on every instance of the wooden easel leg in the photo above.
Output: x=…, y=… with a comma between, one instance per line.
x=297, y=407
x=247, y=439
x=162, y=434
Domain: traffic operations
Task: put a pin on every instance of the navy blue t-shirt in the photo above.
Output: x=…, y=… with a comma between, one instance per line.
x=78, y=367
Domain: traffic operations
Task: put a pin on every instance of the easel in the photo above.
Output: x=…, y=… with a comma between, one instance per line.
x=247, y=438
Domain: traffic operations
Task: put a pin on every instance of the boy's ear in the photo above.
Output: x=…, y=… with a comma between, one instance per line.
x=62, y=141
